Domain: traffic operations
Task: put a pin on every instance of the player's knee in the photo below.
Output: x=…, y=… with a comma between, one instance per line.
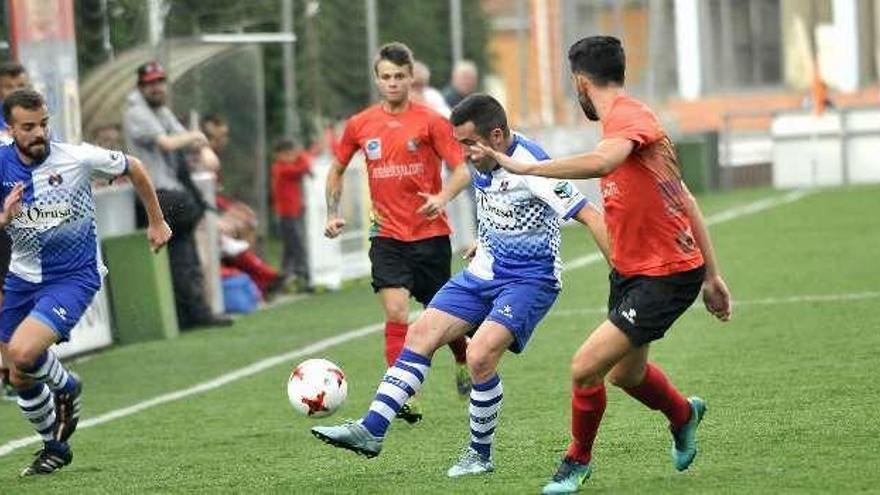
x=481, y=363
x=422, y=338
x=585, y=372
x=398, y=313
x=22, y=358
x=19, y=381
x=623, y=379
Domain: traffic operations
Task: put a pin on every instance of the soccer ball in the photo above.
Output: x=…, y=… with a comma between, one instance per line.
x=316, y=388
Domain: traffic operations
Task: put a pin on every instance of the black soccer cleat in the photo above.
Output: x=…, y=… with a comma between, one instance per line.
x=67, y=407
x=47, y=462
x=410, y=412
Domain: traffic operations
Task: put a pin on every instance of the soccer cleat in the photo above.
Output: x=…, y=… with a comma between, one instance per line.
x=569, y=478
x=470, y=462
x=47, y=462
x=67, y=407
x=684, y=440
x=350, y=435
x=9, y=393
x=410, y=412
x=462, y=381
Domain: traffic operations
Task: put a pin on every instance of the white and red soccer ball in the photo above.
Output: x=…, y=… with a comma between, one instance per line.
x=316, y=388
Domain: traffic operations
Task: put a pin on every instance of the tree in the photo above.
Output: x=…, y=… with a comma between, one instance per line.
x=332, y=71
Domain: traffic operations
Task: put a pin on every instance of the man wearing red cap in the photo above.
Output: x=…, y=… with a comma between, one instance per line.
x=153, y=133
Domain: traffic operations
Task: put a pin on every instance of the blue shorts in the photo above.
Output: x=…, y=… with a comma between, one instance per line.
x=59, y=304
x=517, y=304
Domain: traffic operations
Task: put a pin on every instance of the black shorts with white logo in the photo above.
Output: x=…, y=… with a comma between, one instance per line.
x=644, y=307
x=421, y=267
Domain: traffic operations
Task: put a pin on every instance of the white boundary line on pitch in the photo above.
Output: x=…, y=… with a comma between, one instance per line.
x=264, y=364
x=769, y=301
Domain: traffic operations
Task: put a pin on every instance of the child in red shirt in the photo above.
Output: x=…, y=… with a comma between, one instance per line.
x=291, y=164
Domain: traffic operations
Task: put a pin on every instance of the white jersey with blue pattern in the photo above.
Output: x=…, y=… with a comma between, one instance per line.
x=54, y=235
x=518, y=234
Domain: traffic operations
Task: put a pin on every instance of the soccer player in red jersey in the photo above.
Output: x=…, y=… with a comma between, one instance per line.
x=661, y=257
x=403, y=143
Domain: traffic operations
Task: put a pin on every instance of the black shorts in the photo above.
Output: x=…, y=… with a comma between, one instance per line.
x=5, y=255
x=644, y=307
x=422, y=267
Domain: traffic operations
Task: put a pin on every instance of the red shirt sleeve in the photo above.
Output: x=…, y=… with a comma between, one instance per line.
x=632, y=120
x=444, y=142
x=348, y=145
x=295, y=169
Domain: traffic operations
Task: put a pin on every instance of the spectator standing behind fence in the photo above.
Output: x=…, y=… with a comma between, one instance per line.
x=464, y=81
x=424, y=93
x=237, y=221
x=154, y=134
x=291, y=164
x=108, y=136
x=234, y=214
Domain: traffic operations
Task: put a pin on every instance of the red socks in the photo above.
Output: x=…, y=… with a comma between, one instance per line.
x=395, y=336
x=659, y=394
x=262, y=274
x=587, y=407
x=459, y=349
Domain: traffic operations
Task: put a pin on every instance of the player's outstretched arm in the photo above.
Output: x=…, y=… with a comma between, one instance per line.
x=435, y=203
x=158, y=232
x=335, y=222
x=590, y=216
x=609, y=153
x=716, y=295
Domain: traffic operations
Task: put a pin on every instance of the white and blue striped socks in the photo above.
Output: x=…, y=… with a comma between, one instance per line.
x=38, y=406
x=49, y=370
x=485, y=405
x=401, y=381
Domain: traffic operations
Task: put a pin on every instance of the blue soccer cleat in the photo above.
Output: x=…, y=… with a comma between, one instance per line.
x=350, y=435
x=684, y=440
x=569, y=478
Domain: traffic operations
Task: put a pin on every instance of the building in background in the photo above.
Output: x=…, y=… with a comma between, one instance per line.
x=700, y=59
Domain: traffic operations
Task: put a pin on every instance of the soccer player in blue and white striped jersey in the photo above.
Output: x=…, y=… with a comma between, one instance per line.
x=49, y=212
x=511, y=282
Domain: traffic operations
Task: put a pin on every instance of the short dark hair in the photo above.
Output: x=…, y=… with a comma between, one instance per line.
x=214, y=119
x=284, y=144
x=11, y=68
x=600, y=58
x=395, y=52
x=484, y=111
x=26, y=98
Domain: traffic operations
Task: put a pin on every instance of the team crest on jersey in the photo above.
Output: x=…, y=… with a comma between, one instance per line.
x=373, y=149
x=563, y=189
x=412, y=145
x=55, y=180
